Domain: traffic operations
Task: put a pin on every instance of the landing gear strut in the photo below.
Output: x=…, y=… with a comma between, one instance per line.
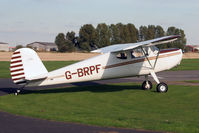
x=146, y=85
x=161, y=86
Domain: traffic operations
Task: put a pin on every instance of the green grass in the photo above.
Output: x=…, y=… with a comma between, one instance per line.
x=115, y=105
x=192, y=81
x=4, y=69
x=186, y=64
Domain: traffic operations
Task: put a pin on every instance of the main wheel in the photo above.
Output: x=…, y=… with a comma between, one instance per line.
x=162, y=87
x=147, y=85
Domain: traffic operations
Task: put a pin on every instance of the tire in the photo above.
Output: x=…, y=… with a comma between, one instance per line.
x=162, y=87
x=145, y=87
x=17, y=92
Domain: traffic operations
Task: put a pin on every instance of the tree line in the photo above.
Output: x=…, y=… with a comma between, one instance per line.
x=90, y=38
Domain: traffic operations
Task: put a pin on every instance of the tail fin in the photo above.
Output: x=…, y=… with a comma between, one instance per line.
x=26, y=65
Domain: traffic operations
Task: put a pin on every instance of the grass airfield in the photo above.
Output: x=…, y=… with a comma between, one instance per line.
x=116, y=105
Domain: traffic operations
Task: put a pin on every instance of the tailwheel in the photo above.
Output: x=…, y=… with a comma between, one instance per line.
x=162, y=87
x=17, y=92
x=147, y=85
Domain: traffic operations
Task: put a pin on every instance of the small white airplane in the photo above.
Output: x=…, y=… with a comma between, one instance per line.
x=116, y=61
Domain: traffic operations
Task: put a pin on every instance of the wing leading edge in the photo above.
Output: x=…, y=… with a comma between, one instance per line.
x=128, y=46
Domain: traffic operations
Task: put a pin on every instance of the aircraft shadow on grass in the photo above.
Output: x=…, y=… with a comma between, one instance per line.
x=68, y=88
x=96, y=88
x=4, y=91
x=80, y=87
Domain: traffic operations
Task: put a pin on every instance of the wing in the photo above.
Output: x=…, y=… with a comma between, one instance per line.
x=128, y=46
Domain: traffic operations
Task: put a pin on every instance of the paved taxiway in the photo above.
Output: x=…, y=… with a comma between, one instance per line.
x=19, y=124
x=11, y=123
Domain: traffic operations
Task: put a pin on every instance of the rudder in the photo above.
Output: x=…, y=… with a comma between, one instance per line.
x=25, y=66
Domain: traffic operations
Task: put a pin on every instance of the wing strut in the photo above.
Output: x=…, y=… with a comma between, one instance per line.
x=146, y=54
x=156, y=59
x=151, y=70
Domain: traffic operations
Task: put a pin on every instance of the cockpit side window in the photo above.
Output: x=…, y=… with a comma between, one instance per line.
x=135, y=53
x=122, y=55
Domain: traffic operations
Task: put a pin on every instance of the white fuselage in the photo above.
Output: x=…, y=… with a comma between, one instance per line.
x=107, y=66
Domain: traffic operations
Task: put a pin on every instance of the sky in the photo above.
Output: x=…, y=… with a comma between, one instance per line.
x=27, y=21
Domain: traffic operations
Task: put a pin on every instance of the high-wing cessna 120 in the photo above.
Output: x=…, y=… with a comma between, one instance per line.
x=115, y=61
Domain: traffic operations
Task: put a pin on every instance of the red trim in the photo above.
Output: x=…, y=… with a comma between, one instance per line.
x=16, y=57
x=17, y=70
x=17, y=52
x=18, y=78
x=168, y=50
x=16, y=61
x=17, y=74
x=16, y=66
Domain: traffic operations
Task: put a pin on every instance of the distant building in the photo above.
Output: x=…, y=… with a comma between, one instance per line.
x=4, y=46
x=43, y=46
x=197, y=48
x=12, y=49
x=191, y=48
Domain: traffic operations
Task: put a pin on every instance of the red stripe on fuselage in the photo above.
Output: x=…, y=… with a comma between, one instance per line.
x=139, y=60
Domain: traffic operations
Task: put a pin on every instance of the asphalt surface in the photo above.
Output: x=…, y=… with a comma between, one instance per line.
x=11, y=123
x=20, y=124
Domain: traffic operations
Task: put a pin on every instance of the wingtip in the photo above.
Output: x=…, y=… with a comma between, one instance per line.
x=96, y=51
